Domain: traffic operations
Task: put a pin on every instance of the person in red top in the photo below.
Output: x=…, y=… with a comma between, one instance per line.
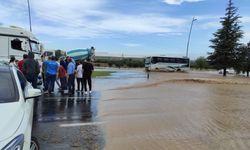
x=62, y=74
x=21, y=62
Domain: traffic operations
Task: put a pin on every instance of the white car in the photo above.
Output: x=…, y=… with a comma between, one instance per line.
x=16, y=110
x=228, y=71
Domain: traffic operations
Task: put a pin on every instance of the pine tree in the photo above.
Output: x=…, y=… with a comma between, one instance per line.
x=226, y=40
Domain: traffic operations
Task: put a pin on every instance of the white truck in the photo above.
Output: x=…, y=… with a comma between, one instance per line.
x=15, y=41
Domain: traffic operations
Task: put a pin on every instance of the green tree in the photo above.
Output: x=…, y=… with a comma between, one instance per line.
x=201, y=63
x=243, y=60
x=226, y=40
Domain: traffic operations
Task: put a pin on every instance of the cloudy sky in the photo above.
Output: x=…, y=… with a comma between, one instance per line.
x=131, y=27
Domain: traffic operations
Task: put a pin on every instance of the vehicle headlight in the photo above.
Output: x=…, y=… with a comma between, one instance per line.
x=15, y=144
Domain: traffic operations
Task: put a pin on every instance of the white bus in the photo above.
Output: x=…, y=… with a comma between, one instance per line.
x=161, y=63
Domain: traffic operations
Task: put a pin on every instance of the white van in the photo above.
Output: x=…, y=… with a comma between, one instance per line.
x=15, y=41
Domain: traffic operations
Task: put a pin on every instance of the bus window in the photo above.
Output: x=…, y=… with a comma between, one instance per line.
x=180, y=60
x=177, y=60
x=154, y=60
x=172, y=60
x=166, y=60
x=160, y=59
x=186, y=61
x=147, y=60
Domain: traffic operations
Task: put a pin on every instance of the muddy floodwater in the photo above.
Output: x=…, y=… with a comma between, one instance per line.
x=177, y=111
x=71, y=122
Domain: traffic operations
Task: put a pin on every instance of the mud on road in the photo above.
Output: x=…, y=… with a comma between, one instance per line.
x=168, y=111
x=176, y=111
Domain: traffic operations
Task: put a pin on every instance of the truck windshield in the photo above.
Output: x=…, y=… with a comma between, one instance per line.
x=35, y=47
x=7, y=88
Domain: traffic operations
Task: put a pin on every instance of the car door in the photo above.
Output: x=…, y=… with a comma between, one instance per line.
x=25, y=85
x=28, y=106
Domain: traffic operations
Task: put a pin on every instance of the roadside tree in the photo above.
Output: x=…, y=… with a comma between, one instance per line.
x=201, y=63
x=242, y=63
x=226, y=40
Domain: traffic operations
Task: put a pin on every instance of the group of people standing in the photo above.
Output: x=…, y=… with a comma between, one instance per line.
x=28, y=66
x=67, y=71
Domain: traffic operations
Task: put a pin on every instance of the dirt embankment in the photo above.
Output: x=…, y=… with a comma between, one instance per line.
x=235, y=81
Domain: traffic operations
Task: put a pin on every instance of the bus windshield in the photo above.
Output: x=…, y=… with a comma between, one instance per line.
x=147, y=60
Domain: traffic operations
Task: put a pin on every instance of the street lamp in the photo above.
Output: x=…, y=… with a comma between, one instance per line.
x=190, y=35
x=29, y=14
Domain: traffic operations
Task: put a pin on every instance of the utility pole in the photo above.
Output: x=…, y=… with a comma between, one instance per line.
x=29, y=15
x=191, y=27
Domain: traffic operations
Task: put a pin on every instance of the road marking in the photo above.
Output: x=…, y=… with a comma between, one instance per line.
x=71, y=97
x=80, y=124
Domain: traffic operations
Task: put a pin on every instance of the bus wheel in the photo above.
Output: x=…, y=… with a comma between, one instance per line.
x=178, y=70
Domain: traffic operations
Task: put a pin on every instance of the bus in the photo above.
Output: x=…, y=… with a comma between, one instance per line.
x=162, y=63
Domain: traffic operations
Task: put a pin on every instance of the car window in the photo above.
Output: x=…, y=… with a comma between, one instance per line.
x=22, y=79
x=8, y=92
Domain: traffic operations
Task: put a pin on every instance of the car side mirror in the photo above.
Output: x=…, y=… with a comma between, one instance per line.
x=33, y=93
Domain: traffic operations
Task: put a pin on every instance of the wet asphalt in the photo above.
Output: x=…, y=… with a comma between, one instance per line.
x=68, y=122
x=64, y=121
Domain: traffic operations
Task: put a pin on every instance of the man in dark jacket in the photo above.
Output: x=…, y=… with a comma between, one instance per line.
x=87, y=72
x=31, y=69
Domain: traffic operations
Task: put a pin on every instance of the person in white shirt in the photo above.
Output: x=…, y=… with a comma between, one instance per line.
x=79, y=79
x=12, y=61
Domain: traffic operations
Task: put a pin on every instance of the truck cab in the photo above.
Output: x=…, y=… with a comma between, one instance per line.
x=15, y=41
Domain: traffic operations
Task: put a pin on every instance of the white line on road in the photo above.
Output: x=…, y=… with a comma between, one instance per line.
x=70, y=97
x=80, y=124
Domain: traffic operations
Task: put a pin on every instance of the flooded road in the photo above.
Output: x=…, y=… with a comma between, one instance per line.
x=119, y=78
x=168, y=111
x=176, y=111
x=71, y=122
x=63, y=122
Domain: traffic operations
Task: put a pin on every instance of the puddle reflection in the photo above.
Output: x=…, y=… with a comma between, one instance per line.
x=58, y=122
x=54, y=108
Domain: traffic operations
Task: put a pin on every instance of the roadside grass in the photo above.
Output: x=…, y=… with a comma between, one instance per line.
x=101, y=73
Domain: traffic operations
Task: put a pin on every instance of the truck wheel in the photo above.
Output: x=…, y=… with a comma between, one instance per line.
x=34, y=145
